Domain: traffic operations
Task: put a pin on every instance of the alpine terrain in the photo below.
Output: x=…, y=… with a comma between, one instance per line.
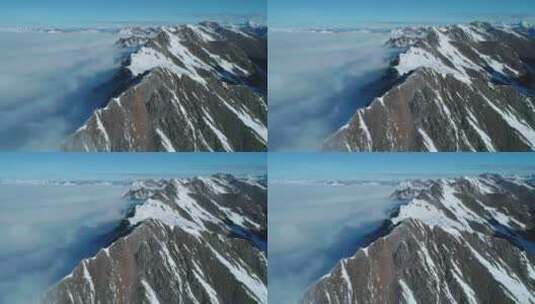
x=464, y=240
x=185, y=88
x=194, y=240
x=451, y=88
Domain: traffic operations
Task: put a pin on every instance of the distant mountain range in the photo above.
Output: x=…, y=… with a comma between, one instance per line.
x=335, y=182
x=192, y=240
x=184, y=88
x=463, y=240
x=331, y=30
x=451, y=88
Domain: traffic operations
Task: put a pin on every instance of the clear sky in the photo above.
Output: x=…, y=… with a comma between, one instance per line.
x=96, y=12
x=303, y=13
x=116, y=166
x=395, y=166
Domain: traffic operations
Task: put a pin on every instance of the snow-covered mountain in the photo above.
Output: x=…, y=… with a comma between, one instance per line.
x=451, y=88
x=465, y=240
x=185, y=88
x=195, y=240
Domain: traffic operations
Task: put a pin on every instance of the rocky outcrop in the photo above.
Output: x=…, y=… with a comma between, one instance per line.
x=467, y=240
x=199, y=240
x=193, y=88
x=458, y=88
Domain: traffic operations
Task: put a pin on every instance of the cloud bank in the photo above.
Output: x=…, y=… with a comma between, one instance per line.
x=317, y=80
x=47, y=230
x=314, y=226
x=50, y=84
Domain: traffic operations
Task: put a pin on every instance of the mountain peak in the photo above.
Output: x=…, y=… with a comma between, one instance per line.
x=194, y=238
x=450, y=80
x=191, y=87
x=462, y=239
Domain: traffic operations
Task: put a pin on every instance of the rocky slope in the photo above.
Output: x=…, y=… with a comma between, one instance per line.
x=466, y=240
x=199, y=240
x=452, y=88
x=190, y=88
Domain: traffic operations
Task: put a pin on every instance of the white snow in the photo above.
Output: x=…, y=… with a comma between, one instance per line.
x=441, y=104
x=510, y=283
x=417, y=57
x=496, y=65
x=423, y=253
x=102, y=130
x=529, y=265
x=528, y=134
x=237, y=30
x=226, y=65
x=89, y=280
x=150, y=294
x=189, y=64
x=154, y=209
x=429, y=214
x=166, y=142
x=184, y=114
x=220, y=135
x=202, y=32
x=472, y=120
x=146, y=59
x=252, y=123
x=520, y=182
x=472, y=33
x=217, y=186
x=212, y=294
x=364, y=128
x=237, y=218
x=511, y=31
x=463, y=214
x=480, y=184
x=249, y=280
x=407, y=293
x=188, y=59
x=347, y=281
x=166, y=256
x=194, y=223
x=433, y=216
x=468, y=291
x=501, y=218
x=428, y=142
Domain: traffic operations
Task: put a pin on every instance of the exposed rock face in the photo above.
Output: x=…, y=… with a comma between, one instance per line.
x=458, y=88
x=193, y=88
x=198, y=240
x=467, y=240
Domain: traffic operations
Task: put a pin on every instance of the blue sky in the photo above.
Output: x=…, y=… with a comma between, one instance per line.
x=114, y=166
x=395, y=166
x=305, y=13
x=78, y=12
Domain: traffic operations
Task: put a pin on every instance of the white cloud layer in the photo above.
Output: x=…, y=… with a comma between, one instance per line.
x=316, y=82
x=313, y=226
x=49, y=84
x=47, y=230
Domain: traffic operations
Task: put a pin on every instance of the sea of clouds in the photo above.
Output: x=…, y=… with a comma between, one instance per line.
x=50, y=83
x=313, y=226
x=317, y=81
x=47, y=230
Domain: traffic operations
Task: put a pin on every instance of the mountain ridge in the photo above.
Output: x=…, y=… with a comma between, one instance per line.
x=191, y=88
x=178, y=242
x=465, y=240
x=472, y=83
